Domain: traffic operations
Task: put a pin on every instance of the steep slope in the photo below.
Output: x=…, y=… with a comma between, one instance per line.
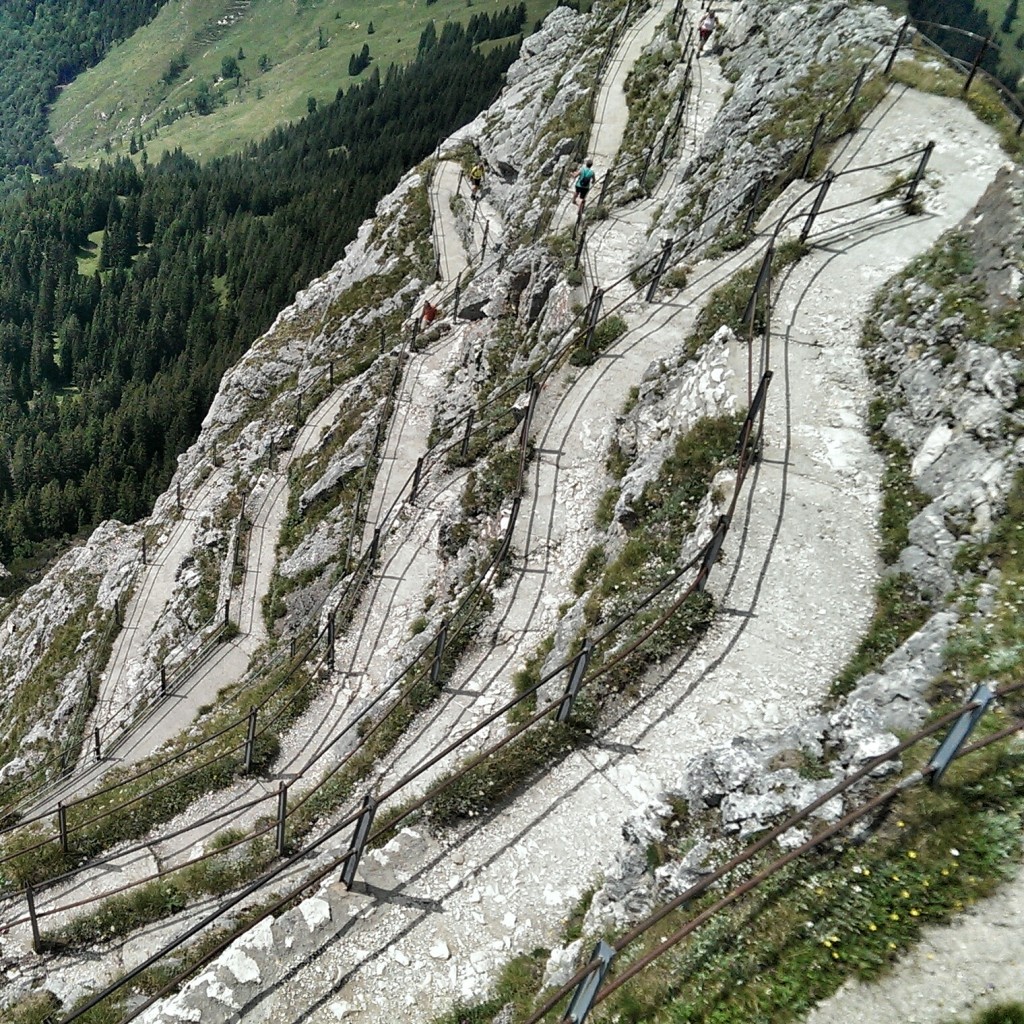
x=439, y=539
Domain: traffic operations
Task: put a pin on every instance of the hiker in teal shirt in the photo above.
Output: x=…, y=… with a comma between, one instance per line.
x=584, y=180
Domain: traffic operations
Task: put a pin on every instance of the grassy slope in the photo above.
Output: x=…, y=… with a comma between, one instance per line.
x=115, y=99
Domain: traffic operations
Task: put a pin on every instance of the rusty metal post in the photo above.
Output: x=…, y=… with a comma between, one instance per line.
x=30, y=899
x=579, y=248
x=330, y=642
x=362, y=831
x=593, y=315
x=977, y=62
x=250, y=739
x=815, y=138
x=896, y=49
x=416, y=479
x=282, y=817
x=711, y=553
x=856, y=88
x=666, y=252
x=375, y=544
x=918, y=175
x=816, y=207
x=748, y=224
x=96, y=743
x=439, y=645
x=62, y=825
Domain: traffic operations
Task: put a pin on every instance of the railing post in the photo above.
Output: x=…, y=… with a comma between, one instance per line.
x=416, y=479
x=583, y=996
x=62, y=825
x=958, y=733
x=593, y=315
x=856, y=88
x=375, y=544
x=292, y=648
x=483, y=243
x=896, y=49
x=818, y=200
x=762, y=280
x=163, y=680
x=748, y=224
x=524, y=439
x=355, y=850
x=383, y=340
x=117, y=612
x=666, y=252
x=227, y=611
x=918, y=175
x=96, y=743
x=330, y=642
x=250, y=739
x=977, y=61
x=439, y=645
x=579, y=248
x=298, y=407
x=30, y=899
x=464, y=450
x=814, y=145
x=711, y=553
x=282, y=817
x=579, y=667
x=144, y=550
x=330, y=373
x=177, y=491
x=458, y=292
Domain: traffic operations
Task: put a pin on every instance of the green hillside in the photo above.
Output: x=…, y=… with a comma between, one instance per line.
x=166, y=86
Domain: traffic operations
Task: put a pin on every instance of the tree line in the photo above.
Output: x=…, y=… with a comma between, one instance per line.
x=44, y=45
x=106, y=377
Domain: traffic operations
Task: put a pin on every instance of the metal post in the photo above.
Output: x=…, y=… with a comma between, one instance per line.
x=298, y=407
x=282, y=816
x=163, y=680
x=117, y=613
x=647, y=167
x=818, y=200
x=270, y=455
x=762, y=278
x=355, y=850
x=524, y=439
x=227, y=611
x=464, y=451
x=959, y=731
x=666, y=252
x=62, y=825
x=293, y=645
x=677, y=120
x=675, y=12
x=604, y=186
x=748, y=224
x=330, y=373
x=250, y=739
x=593, y=315
x=375, y=544
x=435, y=665
x=711, y=553
x=579, y=667
x=144, y=551
x=579, y=248
x=458, y=292
x=896, y=49
x=583, y=996
x=330, y=641
x=177, y=489
x=416, y=479
x=977, y=61
x=918, y=175
x=814, y=145
x=483, y=244
x=856, y=88
x=96, y=742
x=383, y=340
x=30, y=899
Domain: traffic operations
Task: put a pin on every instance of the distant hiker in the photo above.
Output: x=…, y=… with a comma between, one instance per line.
x=430, y=311
x=476, y=180
x=584, y=180
x=706, y=29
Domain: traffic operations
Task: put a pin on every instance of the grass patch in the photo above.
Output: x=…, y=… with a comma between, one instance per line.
x=606, y=333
